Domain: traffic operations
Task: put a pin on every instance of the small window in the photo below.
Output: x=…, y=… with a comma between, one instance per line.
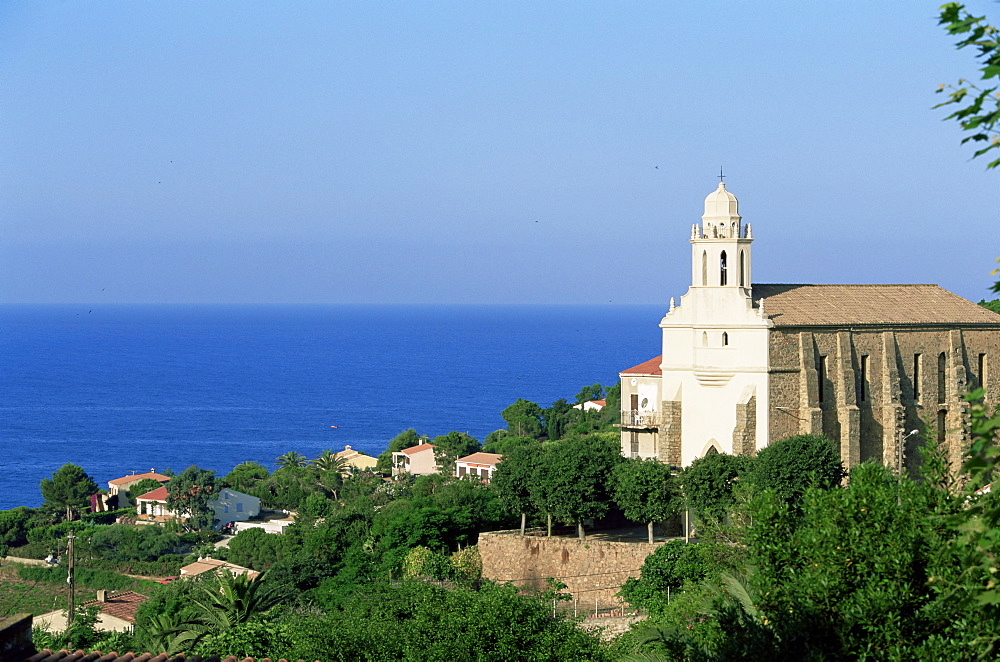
x=461, y=471
x=704, y=267
x=725, y=339
x=821, y=376
x=704, y=338
x=743, y=268
x=916, y=378
x=239, y=506
x=225, y=507
x=863, y=379
x=722, y=268
x=982, y=371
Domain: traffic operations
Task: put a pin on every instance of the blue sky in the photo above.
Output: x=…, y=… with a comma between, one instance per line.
x=455, y=152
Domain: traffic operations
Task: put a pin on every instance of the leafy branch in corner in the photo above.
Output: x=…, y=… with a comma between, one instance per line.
x=979, y=107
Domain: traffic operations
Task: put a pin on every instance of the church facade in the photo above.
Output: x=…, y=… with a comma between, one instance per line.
x=744, y=364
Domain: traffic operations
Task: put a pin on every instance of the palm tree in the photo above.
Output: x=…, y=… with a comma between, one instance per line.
x=329, y=461
x=291, y=459
x=235, y=599
x=331, y=471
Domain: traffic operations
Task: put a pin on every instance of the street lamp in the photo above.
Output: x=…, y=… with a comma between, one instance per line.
x=900, y=452
x=51, y=559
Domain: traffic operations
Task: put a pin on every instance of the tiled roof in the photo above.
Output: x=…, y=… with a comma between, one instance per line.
x=120, y=605
x=136, y=477
x=490, y=459
x=79, y=656
x=207, y=565
x=416, y=449
x=869, y=305
x=652, y=366
x=602, y=403
x=159, y=494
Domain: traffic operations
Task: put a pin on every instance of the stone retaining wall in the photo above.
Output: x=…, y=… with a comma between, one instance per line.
x=591, y=569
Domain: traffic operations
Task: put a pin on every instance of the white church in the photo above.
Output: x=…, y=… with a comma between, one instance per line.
x=744, y=364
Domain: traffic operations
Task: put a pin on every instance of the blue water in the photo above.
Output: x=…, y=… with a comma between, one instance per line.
x=121, y=389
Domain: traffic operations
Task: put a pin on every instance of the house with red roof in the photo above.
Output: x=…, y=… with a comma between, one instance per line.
x=228, y=505
x=115, y=612
x=119, y=487
x=477, y=465
x=416, y=460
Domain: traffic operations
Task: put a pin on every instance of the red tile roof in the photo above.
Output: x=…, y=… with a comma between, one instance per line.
x=487, y=459
x=159, y=494
x=416, y=449
x=120, y=605
x=136, y=477
x=650, y=367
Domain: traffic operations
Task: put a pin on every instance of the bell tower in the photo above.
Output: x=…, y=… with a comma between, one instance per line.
x=720, y=246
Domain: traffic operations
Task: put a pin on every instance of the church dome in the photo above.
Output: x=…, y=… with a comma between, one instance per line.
x=721, y=204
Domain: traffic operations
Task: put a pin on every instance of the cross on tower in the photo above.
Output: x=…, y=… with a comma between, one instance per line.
x=721, y=176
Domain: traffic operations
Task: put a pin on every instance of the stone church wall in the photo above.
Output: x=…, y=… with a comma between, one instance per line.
x=858, y=386
x=592, y=569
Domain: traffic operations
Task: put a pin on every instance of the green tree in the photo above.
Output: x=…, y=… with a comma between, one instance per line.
x=69, y=489
x=646, y=491
x=14, y=525
x=506, y=443
x=668, y=568
x=572, y=480
x=188, y=495
x=708, y=483
x=230, y=600
x=978, y=108
x=329, y=461
x=291, y=459
x=512, y=480
x=588, y=393
x=792, y=465
x=558, y=418
x=524, y=419
x=136, y=490
x=414, y=621
x=140, y=543
x=245, y=476
x=848, y=577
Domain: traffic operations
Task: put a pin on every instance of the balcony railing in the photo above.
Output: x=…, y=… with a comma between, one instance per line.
x=639, y=419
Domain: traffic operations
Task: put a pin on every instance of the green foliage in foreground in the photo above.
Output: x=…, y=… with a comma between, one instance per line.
x=790, y=466
x=670, y=567
x=421, y=622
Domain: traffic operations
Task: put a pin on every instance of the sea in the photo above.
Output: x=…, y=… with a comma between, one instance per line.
x=121, y=389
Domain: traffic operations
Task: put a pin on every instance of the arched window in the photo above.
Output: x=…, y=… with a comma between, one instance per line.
x=725, y=339
x=704, y=338
x=704, y=268
x=743, y=268
x=712, y=450
x=722, y=268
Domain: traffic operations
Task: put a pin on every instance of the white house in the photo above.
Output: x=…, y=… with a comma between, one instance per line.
x=228, y=506
x=417, y=460
x=480, y=465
